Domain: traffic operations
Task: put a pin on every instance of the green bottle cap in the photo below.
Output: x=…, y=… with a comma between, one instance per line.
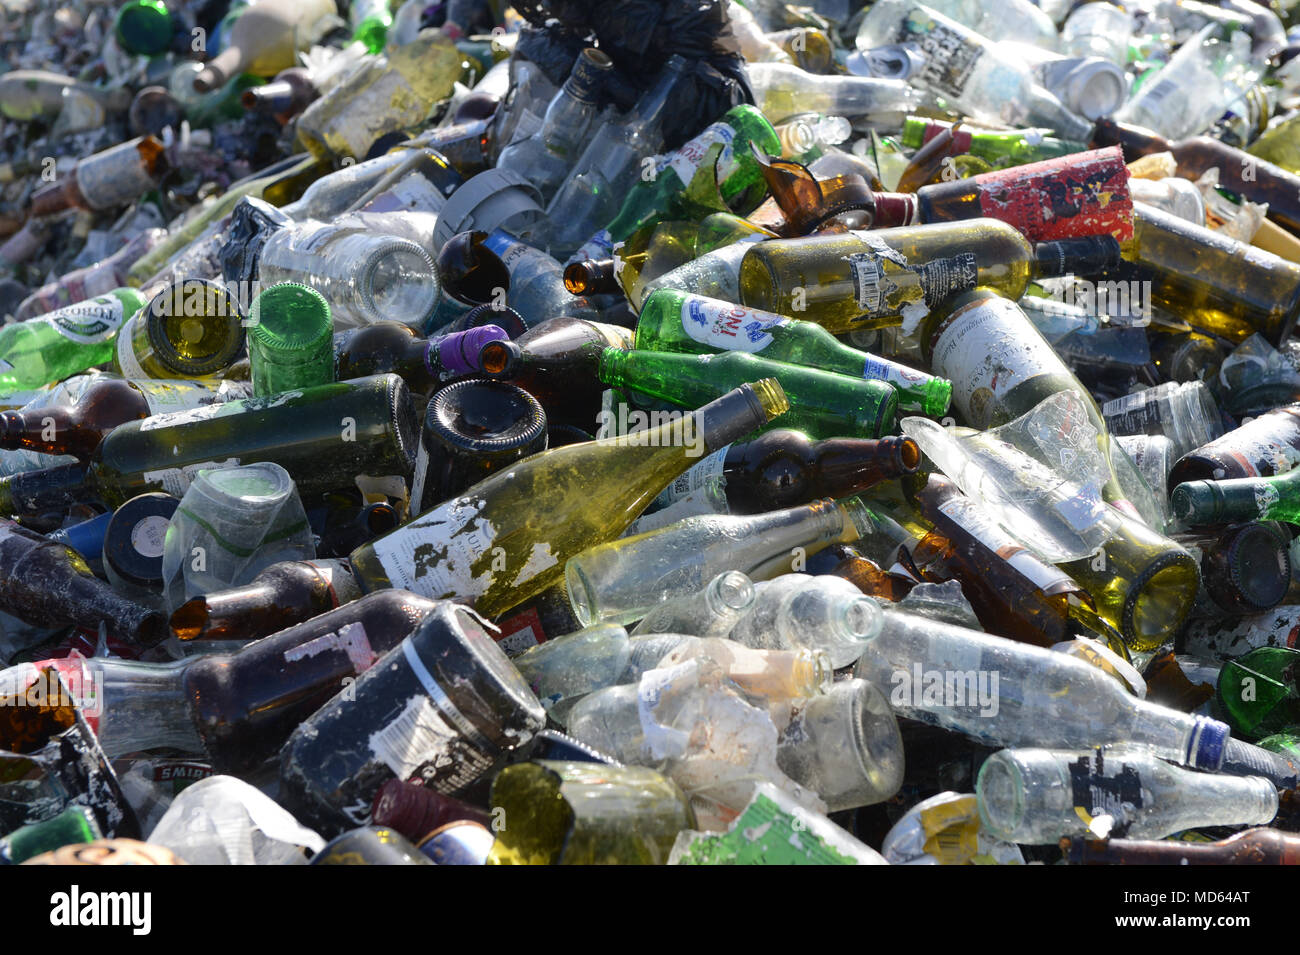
x=144, y=27
x=290, y=319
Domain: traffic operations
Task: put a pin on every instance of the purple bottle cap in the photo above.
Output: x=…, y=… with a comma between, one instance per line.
x=458, y=352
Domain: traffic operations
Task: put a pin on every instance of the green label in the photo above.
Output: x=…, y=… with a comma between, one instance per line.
x=766, y=834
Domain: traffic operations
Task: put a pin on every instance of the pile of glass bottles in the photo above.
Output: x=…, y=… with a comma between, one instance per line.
x=835, y=433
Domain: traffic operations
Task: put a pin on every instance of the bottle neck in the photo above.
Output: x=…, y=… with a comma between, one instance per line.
x=894, y=209
x=36, y=492
x=1253, y=847
x=143, y=705
x=1087, y=256
x=844, y=466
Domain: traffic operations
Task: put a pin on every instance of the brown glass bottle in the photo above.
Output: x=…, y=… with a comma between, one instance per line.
x=845, y=560
x=78, y=428
x=783, y=468
x=284, y=97
x=114, y=177
x=246, y=704
x=1267, y=445
x=591, y=277
x=47, y=583
x=423, y=363
x=556, y=363
x=1013, y=593
x=1252, y=847
x=415, y=811
x=282, y=595
x=1248, y=176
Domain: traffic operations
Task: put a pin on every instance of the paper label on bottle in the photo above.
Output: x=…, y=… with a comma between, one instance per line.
x=1100, y=786
x=521, y=632
x=148, y=535
x=950, y=56
x=127, y=362
x=705, y=475
x=208, y=411
x=1256, y=448
x=510, y=251
x=1133, y=414
x=885, y=284
x=350, y=639
x=1083, y=194
x=969, y=516
x=88, y=323
x=164, y=397
x=726, y=326
x=176, y=481
x=882, y=369
x=767, y=833
x=417, y=734
x=662, y=742
x=985, y=352
x=433, y=555
x=685, y=162
x=413, y=192
x=113, y=178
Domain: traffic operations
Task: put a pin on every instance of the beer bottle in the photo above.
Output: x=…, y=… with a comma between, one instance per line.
x=64, y=342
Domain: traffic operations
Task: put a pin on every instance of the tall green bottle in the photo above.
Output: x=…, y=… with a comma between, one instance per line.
x=325, y=437
x=506, y=539
x=822, y=403
x=64, y=342
x=673, y=321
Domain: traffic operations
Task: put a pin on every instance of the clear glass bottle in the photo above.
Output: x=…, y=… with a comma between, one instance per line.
x=826, y=613
x=1038, y=796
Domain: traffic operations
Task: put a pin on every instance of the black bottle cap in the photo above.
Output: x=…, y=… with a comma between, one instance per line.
x=133, y=542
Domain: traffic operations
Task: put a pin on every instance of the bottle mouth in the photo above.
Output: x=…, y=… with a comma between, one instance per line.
x=1000, y=788
x=582, y=595
x=876, y=740
x=1158, y=601
x=194, y=327
x=399, y=281
x=734, y=590
x=486, y=417
x=861, y=619
x=496, y=357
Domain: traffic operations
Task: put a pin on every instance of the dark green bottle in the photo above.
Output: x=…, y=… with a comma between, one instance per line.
x=822, y=404
x=323, y=436
x=75, y=824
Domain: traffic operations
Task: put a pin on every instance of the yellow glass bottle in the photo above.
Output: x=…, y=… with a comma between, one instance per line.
x=506, y=539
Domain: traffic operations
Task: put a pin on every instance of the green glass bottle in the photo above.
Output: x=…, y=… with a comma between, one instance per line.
x=370, y=22
x=143, y=27
x=291, y=342
x=192, y=328
x=1257, y=692
x=1274, y=498
x=75, y=824
x=64, y=342
x=669, y=193
x=323, y=436
x=673, y=321
x=506, y=539
x=1017, y=145
x=822, y=403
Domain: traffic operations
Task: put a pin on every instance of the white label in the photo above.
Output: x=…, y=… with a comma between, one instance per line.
x=705, y=475
x=418, y=735
x=350, y=639
x=186, y=416
x=126, y=360
x=686, y=161
x=884, y=283
x=176, y=481
x=968, y=515
x=148, y=535
x=1254, y=444
x=88, y=323
x=433, y=555
x=727, y=326
x=410, y=192
x=985, y=352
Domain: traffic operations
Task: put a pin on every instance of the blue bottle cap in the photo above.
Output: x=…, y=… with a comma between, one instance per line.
x=1205, y=748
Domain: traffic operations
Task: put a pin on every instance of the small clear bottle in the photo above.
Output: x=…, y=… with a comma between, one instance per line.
x=826, y=613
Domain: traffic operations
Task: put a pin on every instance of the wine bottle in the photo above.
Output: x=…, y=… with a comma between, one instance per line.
x=45, y=582
x=822, y=403
x=323, y=436
x=449, y=683
x=264, y=40
x=291, y=344
x=495, y=546
x=1241, y=499
x=862, y=280
x=79, y=427
x=672, y=321
x=1268, y=445
x=192, y=328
